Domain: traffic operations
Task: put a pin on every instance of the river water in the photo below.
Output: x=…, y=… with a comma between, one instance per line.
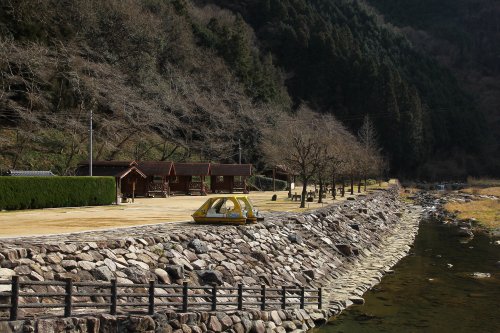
x=432, y=289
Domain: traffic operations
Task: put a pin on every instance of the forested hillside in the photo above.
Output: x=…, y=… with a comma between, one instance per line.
x=185, y=80
x=463, y=36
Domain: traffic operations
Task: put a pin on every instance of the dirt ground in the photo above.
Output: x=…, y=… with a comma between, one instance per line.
x=142, y=211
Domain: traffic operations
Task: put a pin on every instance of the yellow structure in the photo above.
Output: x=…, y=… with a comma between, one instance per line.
x=235, y=209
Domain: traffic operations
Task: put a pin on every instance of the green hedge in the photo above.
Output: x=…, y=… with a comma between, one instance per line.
x=44, y=192
x=266, y=184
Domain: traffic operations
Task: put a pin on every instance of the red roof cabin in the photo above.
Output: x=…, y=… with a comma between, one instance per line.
x=158, y=175
x=189, y=178
x=229, y=178
x=129, y=179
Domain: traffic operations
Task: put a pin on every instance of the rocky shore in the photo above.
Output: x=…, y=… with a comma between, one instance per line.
x=345, y=248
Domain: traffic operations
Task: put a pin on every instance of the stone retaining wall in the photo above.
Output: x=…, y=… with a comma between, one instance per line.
x=321, y=248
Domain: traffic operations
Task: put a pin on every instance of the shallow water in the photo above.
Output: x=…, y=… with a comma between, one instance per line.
x=424, y=294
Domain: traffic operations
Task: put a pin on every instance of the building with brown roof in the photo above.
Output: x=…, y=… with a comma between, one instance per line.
x=130, y=180
x=190, y=178
x=158, y=174
x=229, y=178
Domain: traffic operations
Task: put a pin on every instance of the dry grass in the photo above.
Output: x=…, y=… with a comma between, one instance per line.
x=143, y=211
x=483, y=181
x=486, y=212
x=484, y=191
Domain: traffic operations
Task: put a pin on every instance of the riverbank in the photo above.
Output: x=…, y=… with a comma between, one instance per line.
x=447, y=284
x=316, y=249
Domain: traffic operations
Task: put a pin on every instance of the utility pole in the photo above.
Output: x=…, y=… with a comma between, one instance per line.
x=90, y=142
x=239, y=150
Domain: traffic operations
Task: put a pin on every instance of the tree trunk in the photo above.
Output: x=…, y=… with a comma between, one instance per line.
x=334, y=190
x=359, y=185
x=352, y=185
x=320, y=200
x=304, y=193
x=365, y=184
x=289, y=179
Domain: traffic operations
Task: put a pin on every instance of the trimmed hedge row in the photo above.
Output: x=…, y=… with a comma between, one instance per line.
x=45, y=192
x=266, y=184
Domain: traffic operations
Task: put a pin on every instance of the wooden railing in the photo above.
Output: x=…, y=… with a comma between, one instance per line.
x=70, y=296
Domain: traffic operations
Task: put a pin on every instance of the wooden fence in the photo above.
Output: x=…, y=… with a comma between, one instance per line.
x=147, y=297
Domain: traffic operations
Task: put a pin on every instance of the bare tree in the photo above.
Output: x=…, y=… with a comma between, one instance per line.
x=296, y=142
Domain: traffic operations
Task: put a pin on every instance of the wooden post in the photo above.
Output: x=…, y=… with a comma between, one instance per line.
x=320, y=298
x=214, y=297
x=283, y=297
x=68, y=297
x=240, y=297
x=151, y=305
x=114, y=297
x=263, y=297
x=302, y=297
x=133, y=191
x=184, y=297
x=14, y=298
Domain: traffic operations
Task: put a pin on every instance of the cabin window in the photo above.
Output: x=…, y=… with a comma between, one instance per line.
x=220, y=179
x=158, y=179
x=196, y=179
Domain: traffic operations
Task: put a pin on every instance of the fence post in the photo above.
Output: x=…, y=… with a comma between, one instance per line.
x=214, y=297
x=240, y=297
x=68, y=297
x=283, y=297
x=14, y=297
x=320, y=298
x=151, y=307
x=302, y=297
x=184, y=297
x=114, y=297
x=263, y=297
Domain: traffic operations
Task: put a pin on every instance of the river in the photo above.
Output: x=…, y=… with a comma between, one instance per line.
x=432, y=289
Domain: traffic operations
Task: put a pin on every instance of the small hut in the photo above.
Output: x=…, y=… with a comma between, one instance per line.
x=129, y=179
x=158, y=175
x=229, y=178
x=190, y=178
x=282, y=172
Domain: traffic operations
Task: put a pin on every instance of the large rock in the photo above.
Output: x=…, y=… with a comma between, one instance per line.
x=214, y=324
x=294, y=238
x=210, y=276
x=198, y=246
x=138, y=275
x=199, y=264
x=261, y=256
x=175, y=271
x=258, y=327
x=69, y=264
x=162, y=276
x=102, y=273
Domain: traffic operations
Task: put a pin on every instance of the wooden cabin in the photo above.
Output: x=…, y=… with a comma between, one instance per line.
x=189, y=178
x=229, y=178
x=158, y=174
x=129, y=179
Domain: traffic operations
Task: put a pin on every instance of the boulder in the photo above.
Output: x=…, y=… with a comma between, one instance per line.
x=162, y=276
x=258, y=327
x=102, y=273
x=198, y=246
x=138, y=275
x=294, y=238
x=175, y=271
x=214, y=324
x=210, y=276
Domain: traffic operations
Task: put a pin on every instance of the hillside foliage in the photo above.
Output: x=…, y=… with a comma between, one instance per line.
x=184, y=80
